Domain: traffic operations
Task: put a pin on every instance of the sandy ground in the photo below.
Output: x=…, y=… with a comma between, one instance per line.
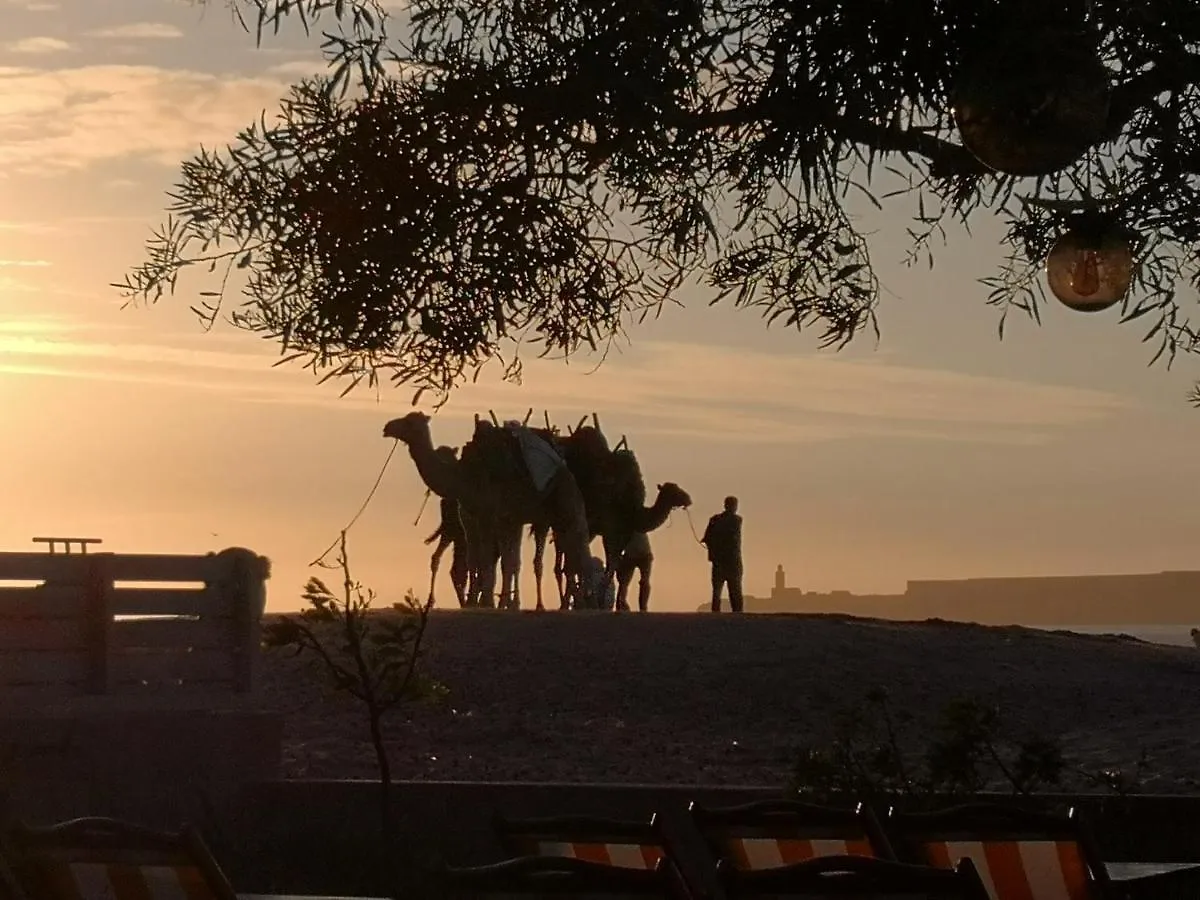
x=688, y=699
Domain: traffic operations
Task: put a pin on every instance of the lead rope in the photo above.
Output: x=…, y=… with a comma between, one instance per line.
x=421, y=511
x=320, y=560
x=691, y=526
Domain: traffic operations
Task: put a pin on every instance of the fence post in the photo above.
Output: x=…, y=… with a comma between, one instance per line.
x=244, y=579
x=98, y=598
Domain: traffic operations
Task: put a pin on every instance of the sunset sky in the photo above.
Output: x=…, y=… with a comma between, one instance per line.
x=940, y=452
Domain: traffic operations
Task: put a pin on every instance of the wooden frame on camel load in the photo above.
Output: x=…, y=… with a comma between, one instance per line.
x=622, y=843
x=773, y=833
x=864, y=877
x=1010, y=845
x=74, y=859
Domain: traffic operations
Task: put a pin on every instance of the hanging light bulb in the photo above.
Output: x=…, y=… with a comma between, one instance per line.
x=1085, y=274
x=1032, y=101
x=1090, y=267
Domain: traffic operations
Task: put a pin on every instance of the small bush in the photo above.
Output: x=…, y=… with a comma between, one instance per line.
x=875, y=755
x=376, y=660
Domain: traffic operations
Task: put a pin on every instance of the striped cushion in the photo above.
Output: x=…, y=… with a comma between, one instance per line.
x=1020, y=870
x=627, y=856
x=770, y=853
x=114, y=881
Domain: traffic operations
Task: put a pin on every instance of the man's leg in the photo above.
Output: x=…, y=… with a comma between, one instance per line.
x=624, y=578
x=644, y=583
x=735, y=590
x=718, y=581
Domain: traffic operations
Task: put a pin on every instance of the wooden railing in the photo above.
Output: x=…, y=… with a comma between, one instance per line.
x=85, y=629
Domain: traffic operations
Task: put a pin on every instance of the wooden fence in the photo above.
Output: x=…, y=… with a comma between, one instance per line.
x=129, y=624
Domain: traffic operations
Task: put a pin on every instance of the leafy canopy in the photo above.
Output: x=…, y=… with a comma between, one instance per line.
x=471, y=177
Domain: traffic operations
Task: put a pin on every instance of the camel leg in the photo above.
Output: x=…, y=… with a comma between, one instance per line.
x=460, y=572
x=515, y=549
x=560, y=580
x=483, y=556
x=612, y=553
x=470, y=548
x=489, y=561
x=435, y=561
x=566, y=595
x=487, y=577
x=539, y=558
x=510, y=566
x=560, y=577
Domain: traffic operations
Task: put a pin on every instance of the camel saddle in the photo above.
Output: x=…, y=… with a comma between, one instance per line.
x=515, y=451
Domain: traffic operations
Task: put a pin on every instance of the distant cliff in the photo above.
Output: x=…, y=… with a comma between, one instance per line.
x=1162, y=598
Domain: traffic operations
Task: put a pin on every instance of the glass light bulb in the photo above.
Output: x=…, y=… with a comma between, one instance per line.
x=1085, y=276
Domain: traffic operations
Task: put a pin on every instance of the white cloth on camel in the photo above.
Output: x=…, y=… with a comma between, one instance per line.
x=541, y=459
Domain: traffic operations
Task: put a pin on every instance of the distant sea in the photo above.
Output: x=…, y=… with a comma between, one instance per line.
x=1178, y=635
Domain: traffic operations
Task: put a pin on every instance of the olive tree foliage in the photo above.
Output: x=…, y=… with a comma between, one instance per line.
x=475, y=179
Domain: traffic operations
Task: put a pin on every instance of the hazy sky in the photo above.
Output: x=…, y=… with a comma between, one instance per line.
x=941, y=452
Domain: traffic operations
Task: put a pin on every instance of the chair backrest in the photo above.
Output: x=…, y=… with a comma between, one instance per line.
x=88, y=858
x=773, y=833
x=854, y=876
x=562, y=875
x=1020, y=854
x=631, y=845
x=10, y=887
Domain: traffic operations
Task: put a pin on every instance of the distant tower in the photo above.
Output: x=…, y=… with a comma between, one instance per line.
x=780, y=581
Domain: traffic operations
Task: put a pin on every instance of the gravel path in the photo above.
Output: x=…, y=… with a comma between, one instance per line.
x=690, y=699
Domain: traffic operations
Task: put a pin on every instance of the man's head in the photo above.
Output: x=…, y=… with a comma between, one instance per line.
x=731, y=504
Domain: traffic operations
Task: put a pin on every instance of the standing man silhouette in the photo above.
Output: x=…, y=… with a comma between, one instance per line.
x=637, y=557
x=723, y=538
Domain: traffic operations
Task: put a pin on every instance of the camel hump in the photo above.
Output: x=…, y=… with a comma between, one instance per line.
x=625, y=477
x=590, y=440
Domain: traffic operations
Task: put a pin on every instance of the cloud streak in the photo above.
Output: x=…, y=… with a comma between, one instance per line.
x=667, y=388
x=152, y=31
x=70, y=118
x=38, y=46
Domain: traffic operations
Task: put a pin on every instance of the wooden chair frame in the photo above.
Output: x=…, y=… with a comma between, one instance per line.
x=776, y=818
x=854, y=876
x=994, y=821
x=520, y=836
x=10, y=887
x=105, y=840
x=562, y=875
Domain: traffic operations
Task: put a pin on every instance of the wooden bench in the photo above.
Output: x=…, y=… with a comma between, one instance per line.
x=128, y=624
x=127, y=684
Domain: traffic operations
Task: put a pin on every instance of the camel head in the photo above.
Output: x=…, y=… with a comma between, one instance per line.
x=408, y=428
x=674, y=496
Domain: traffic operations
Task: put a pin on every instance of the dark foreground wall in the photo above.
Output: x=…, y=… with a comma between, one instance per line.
x=323, y=837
